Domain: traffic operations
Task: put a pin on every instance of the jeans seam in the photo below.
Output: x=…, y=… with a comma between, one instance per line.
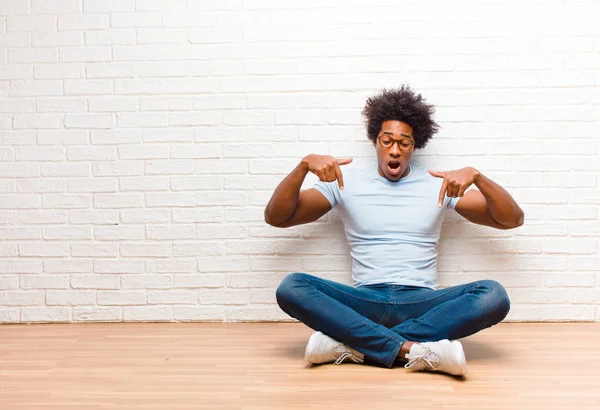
x=439, y=295
x=451, y=303
x=347, y=294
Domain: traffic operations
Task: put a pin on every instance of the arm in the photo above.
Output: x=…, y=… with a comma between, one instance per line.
x=492, y=205
x=289, y=206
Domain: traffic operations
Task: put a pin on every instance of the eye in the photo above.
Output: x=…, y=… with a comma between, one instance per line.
x=386, y=141
x=406, y=143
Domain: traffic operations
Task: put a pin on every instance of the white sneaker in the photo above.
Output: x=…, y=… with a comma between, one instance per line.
x=323, y=349
x=442, y=356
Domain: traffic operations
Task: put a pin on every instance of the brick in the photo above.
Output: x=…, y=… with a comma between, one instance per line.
x=178, y=265
x=21, y=297
x=57, y=39
x=160, y=5
x=159, y=69
x=95, y=217
x=65, y=170
x=76, y=22
x=45, y=315
x=181, y=215
x=92, y=154
x=143, y=151
x=199, y=313
x=9, y=282
x=88, y=87
x=56, y=6
x=67, y=233
x=144, y=184
x=177, y=297
x=197, y=249
x=101, y=121
x=95, y=282
x=121, y=297
x=147, y=282
x=169, y=167
x=118, y=266
x=31, y=23
x=93, y=185
x=223, y=296
x=146, y=216
x=119, y=233
x=198, y=281
x=88, y=54
x=196, y=183
x=94, y=250
x=43, y=185
x=120, y=168
x=169, y=232
x=35, y=88
x=213, y=264
x=20, y=266
x=145, y=250
x=162, y=36
x=16, y=72
x=118, y=200
x=60, y=105
x=108, y=6
x=112, y=104
x=148, y=313
x=109, y=70
x=19, y=201
x=110, y=37
x=70, y=297
x=104, y=137
x=170, y=199
x=11, y=315
x=96, y=314
x=67, y=266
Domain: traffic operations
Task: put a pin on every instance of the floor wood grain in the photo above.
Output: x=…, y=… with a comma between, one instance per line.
x=255, y=366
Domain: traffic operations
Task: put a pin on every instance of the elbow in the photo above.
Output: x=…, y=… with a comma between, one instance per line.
x=269, y=220
x=518, y=221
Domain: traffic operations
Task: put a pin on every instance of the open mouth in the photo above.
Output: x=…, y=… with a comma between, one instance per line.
x=394, y=167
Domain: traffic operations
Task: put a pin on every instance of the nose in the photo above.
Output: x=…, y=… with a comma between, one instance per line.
x=395, y=150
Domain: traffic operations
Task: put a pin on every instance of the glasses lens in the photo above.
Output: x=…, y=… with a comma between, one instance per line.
x=406, y=144
x=386, y=142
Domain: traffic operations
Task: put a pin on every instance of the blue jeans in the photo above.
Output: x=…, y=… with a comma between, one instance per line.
x=377, y=319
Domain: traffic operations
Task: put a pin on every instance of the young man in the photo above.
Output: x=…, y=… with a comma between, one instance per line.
x=392, y=217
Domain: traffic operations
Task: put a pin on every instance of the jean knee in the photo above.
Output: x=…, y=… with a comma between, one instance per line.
x=496, y=300
x=287, y=292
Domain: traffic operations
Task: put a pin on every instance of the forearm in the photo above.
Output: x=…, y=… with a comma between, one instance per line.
x=501, y=205
x=284, y=200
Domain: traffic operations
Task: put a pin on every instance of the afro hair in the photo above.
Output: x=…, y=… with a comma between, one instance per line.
x=401, y=104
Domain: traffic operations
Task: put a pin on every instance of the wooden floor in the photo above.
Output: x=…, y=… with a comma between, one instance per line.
x=260, y=366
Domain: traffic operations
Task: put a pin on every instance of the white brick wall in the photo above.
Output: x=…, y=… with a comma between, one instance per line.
x=141, y=139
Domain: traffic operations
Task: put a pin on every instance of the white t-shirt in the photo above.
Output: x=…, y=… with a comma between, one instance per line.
x=392, y=228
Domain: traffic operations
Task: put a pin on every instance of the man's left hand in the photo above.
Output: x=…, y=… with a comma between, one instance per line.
x=455, y=182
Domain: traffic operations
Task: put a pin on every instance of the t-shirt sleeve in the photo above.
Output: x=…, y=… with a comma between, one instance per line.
x=330, y=190
x=452, y=203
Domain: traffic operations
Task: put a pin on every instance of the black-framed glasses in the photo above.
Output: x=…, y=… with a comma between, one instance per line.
x=405, y=144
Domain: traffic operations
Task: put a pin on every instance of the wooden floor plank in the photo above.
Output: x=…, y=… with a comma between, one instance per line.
x=254, y=366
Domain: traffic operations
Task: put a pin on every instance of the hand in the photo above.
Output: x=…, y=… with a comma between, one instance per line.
x=455, y=182
x=326, y=167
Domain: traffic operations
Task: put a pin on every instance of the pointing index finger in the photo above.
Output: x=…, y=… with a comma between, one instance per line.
x=442, y=193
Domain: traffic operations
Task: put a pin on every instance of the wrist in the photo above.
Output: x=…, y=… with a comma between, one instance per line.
x=476, y=175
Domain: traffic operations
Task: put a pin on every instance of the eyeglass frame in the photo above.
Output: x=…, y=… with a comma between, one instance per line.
x=395, y=141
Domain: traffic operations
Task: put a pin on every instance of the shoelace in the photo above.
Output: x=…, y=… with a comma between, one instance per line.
x=428, y=358
x=344, y=353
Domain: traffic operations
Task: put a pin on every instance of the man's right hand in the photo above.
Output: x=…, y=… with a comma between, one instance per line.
x=326, y=167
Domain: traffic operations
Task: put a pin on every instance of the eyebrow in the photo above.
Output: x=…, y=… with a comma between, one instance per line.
x=390, y=133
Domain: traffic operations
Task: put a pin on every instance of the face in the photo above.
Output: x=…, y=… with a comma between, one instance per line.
x=392, y=162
